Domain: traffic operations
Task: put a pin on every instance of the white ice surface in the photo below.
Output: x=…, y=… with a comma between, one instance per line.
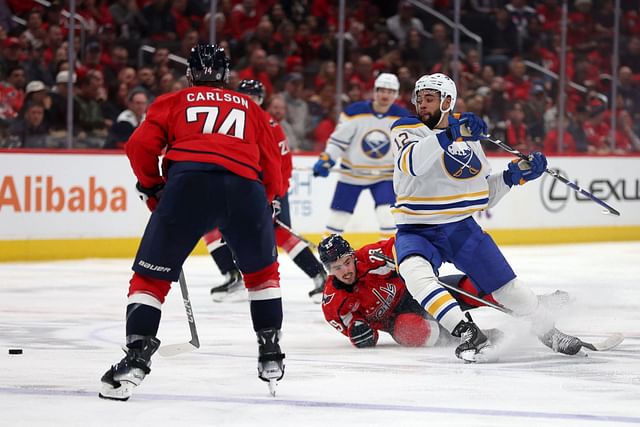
x=69, y=319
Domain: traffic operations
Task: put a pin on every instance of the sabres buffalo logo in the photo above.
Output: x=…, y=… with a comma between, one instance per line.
x=460, y=161
x=376, y=144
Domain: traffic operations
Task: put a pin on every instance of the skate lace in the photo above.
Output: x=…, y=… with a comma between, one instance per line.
x=563, y=342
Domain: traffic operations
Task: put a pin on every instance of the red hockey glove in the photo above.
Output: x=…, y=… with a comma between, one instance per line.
x=151, y=196
x=362, y=335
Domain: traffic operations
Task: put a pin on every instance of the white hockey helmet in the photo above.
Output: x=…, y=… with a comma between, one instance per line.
x=440, y=83
x=387, y=81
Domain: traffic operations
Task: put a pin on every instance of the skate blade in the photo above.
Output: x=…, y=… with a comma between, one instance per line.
x=122, y=393
x=488, y=354
x=273, y=385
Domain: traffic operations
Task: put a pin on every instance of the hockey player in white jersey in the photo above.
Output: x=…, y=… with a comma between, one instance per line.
x=362, y=142
x=441, y=177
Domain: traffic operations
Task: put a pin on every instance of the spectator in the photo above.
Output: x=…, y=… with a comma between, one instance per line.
x=90, y=122
x=159, y=24
x=12, y=55
x=58, y=110
x=403, y=21
x=363, y=75
x=518, y=84
x=31, y=131
x=147, y=82
x=551, y=141
x=516, y=132
x=35, y=32
x=581, y=27
x=297, y=116
x=127, y=18
x=128, y=120
x=257, y=70
x=12, y=93
x=277, y=108
x=631, y=56
x=520, y=15
x=36, y=93
x=577, y=128
x=502, y=42
x=244, y=19
x=534, y=110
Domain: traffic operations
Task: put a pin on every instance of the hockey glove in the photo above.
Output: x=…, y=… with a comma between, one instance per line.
x=276, y=207
x=151, y=196
x=322, y=166
x=520, y=171
x=361, y=334
x=474, y=124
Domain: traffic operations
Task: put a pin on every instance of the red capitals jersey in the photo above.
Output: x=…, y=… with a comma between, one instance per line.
x=285, y=152
x=208, y=125
x=373, y=297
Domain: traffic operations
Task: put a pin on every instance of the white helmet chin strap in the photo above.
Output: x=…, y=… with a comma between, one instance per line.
x=442, y=99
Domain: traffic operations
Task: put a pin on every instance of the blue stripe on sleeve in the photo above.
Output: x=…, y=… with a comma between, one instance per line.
x=435, y=207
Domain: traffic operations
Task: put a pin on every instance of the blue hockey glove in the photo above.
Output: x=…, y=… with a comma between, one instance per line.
x=361, y=335
x=476, y=126
x=520, y=171
x=151, y=196
x=322, y=166
x=450, y=134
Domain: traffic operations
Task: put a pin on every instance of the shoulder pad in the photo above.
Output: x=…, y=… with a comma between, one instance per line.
x=407, y=122
x=399, y=111
x=360, y=107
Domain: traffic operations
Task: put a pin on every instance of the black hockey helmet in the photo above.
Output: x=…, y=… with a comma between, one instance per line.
x=333, y=248
x=207, y=63
x=252, y=88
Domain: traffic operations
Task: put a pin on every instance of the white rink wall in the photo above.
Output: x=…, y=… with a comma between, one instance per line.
x=79, y=197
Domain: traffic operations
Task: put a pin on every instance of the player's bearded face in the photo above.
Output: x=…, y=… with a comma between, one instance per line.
x=428, y=108
x=344, y=269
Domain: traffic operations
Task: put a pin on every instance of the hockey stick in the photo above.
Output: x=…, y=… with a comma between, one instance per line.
x=556, y=175
x=294, y=234
x=607, y=344
x=175, y=349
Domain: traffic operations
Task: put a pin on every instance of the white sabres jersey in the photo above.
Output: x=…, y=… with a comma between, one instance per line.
x=362, y=140
x=438, y=186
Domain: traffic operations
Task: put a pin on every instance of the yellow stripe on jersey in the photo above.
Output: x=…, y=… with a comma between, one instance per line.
x=441, y=198
x=417, y=125
x=405, y=165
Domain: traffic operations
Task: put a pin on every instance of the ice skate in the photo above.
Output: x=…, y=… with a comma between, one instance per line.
x=232, y=288
x=270, y=359
x=555, y=301
x=474, y=345
x=318, y=282
x=561, y=342
x=120, y=380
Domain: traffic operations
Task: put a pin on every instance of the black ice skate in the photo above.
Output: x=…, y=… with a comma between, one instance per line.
x=561, y=342
x=270, y=359
x=120, y=380
x=318, y=281
x=232, y=285
x=474, y=342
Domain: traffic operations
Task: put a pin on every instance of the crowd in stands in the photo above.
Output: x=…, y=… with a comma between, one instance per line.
x=291, y=47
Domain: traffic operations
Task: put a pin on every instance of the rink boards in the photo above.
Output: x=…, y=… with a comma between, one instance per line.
x=56, y=205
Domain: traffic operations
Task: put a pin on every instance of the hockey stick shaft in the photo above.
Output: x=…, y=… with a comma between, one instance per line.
x=555, y=175
x=175, y=349
x=293, y=233
x=195, y=341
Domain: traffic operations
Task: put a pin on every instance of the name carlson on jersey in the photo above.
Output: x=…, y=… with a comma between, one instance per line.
x=218, y=97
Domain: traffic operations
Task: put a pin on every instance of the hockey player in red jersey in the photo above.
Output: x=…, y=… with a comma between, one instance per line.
x=297, y=249
x=365, y=295
x=221, y=168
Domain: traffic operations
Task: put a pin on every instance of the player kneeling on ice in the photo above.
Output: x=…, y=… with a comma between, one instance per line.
x=441, y=178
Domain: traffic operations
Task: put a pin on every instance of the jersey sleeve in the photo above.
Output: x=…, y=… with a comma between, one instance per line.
x=270, y=157
x=146, y=144
x=341, y=137
x=415, y=147
x=371, y=258
x=339, y=307
x=285, y=154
